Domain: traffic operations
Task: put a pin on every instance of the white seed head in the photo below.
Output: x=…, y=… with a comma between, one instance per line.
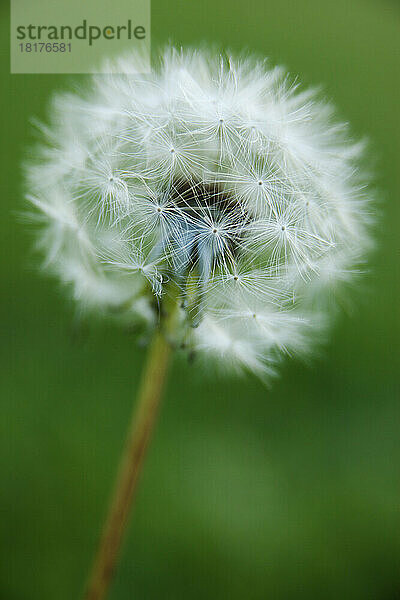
x=212, y=176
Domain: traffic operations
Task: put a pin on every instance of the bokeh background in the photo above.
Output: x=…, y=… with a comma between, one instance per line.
x=287, y=493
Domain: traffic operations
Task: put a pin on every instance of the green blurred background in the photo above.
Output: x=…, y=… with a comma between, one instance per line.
x=287, y=493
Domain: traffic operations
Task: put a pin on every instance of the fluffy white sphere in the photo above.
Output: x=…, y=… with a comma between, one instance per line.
x=211, y=183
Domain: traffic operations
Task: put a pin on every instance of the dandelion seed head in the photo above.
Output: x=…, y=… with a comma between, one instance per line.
x=212, y=176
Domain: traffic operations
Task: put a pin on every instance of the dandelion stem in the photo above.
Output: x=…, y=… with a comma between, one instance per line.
x=130, y=466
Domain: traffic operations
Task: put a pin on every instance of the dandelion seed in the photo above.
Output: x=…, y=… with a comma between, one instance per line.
x=211, y=180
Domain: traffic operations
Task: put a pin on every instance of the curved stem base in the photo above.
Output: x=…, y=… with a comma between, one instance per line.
x=139, y=433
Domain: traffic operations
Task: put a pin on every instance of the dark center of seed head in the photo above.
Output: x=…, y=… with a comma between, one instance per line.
x=200, y=201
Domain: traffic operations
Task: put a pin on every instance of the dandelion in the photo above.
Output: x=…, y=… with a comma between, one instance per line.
x=211, y=201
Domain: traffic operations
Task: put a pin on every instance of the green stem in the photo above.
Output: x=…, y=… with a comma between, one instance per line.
x=130, y=466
